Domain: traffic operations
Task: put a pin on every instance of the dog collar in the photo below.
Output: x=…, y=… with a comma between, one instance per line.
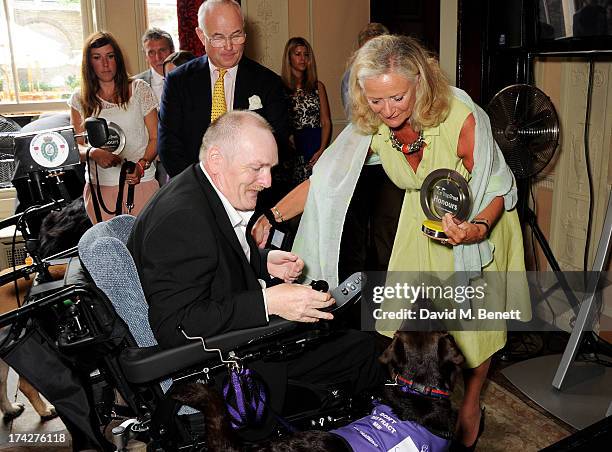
x=413, y=387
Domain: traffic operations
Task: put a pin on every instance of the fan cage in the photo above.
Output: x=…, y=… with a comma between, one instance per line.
x=7, y=169
x=525, y=125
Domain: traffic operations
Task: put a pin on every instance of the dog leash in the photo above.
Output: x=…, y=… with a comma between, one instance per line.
x=96, y=194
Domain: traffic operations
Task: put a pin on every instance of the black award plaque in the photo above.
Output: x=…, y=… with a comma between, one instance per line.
x=116, y=139
x=443, y=191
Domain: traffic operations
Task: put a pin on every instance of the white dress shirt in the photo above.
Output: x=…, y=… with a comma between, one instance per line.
x=239, y=220
x=229, y=83
x=157, y=83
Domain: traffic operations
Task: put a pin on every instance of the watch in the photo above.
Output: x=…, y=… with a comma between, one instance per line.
x=482, y=221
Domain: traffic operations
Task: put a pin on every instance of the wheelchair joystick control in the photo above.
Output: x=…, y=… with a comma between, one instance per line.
x=78, y=329
x=347, y=293
x=72, y=329
x=319, y=285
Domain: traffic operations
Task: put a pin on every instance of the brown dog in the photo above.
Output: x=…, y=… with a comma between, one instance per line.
x=423, y=367
x=60, y=230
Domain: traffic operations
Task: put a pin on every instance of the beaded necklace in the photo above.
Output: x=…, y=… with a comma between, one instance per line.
x=407, y=149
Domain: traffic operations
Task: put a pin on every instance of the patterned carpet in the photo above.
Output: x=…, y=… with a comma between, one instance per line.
x=512, y=424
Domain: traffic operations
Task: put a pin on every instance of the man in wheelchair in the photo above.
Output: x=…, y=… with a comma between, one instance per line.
x=202, y=274
x=122, y=325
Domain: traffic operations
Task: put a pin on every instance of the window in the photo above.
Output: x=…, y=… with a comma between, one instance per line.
x=162, y=14
x=40, y=51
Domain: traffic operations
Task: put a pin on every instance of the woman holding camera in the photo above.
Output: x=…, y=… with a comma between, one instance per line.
x=107, y=92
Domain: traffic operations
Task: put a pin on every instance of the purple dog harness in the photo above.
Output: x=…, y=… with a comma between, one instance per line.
x=245, y=398
x=383, y=430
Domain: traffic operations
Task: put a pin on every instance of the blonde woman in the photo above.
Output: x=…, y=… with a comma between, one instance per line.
x=405, y=113
x=308, y=105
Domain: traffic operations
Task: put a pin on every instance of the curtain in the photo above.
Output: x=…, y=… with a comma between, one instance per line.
x=187, y=14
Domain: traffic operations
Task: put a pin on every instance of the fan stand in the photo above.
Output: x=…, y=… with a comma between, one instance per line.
x=528, y=216
x=580, y=393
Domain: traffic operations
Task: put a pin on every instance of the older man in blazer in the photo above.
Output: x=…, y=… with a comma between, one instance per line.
x=187, y=101
x=201, y=271
x=157, y=45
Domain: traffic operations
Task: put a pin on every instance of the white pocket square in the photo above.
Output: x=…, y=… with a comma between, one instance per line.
x=255, y=102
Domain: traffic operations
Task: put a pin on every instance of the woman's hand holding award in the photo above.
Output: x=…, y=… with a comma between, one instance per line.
x=443, y=191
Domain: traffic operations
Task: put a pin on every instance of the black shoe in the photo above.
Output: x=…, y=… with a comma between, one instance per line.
x=457, y=446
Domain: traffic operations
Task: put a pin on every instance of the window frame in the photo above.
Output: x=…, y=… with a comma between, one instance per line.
x=92, y=15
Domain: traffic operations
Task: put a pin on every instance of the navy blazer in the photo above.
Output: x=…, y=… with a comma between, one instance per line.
x=184, y=113
x=192, y=268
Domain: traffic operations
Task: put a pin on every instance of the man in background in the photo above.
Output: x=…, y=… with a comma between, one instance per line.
x=224, y=79
x=157, y=45
x=370, y=31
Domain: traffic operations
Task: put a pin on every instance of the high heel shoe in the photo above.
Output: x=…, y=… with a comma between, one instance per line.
x=457, y=446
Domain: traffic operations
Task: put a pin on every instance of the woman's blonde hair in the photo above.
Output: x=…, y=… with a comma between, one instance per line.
x=404, y=56
x=89, y=81
x=310, y=78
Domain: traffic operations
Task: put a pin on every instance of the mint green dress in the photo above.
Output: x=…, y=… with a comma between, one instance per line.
x=414, y=252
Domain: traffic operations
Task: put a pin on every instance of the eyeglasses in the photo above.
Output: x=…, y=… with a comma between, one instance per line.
x=220, y=40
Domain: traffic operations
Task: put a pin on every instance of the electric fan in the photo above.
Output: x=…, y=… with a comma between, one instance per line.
x=526, y=128
x=7, y=163
x=7, y=128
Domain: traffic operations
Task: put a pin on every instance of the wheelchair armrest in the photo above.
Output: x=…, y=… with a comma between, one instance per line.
x=245, y=337
x=146, y=364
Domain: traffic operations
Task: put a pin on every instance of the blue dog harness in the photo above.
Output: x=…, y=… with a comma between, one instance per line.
x=382, y=430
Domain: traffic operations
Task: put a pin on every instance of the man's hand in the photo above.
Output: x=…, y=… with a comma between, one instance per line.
x=284, y=265
x=298, y=303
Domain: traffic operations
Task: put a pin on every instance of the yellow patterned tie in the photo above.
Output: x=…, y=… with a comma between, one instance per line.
x=218, y=102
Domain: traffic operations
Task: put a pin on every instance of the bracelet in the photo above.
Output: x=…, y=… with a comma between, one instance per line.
x=277, y=215
x=146, y=165
x=484, y=222
x=142, y=168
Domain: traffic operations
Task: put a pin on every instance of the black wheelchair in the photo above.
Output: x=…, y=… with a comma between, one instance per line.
x=85, y=343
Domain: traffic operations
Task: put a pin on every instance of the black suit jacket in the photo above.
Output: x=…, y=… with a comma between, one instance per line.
x=191, y=265
x=184, y=113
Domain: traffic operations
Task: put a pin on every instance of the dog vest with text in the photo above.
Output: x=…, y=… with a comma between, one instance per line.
x=383, y=430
